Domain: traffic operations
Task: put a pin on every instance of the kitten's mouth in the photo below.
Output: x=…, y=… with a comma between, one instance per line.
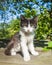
x=27, y=33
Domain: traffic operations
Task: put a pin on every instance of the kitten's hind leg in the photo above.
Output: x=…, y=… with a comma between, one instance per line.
x=15, y=49
x=13, y=52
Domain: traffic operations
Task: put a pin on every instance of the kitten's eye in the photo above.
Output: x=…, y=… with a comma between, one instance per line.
x=24, y=24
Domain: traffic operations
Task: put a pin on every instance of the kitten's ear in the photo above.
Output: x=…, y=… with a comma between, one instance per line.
x=35, y=19
x=22, y=17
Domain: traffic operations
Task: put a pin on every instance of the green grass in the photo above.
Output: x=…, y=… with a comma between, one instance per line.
x=50, y=44
x=47, y=48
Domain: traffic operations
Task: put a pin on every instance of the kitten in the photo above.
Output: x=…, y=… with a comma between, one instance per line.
x=23, y=40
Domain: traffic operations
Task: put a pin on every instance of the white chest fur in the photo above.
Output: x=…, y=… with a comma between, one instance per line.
x=26, y=38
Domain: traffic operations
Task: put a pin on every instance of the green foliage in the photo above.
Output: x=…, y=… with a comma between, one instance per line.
x=3, y=30
x=14, y=27
x=30, y=13
x=43, y=29
x=7, y=30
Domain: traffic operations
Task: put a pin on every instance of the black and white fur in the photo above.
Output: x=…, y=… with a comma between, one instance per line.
x=23, y=40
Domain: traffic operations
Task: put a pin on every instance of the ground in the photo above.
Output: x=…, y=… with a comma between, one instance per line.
x=44, y=58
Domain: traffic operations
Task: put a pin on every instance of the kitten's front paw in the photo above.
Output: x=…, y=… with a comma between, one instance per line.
x=35, y=53
x=27, y=58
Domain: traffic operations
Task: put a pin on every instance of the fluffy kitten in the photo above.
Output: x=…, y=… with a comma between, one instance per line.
x=23, y=40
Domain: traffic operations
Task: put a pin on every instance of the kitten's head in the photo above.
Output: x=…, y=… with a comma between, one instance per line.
x=28, y=25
